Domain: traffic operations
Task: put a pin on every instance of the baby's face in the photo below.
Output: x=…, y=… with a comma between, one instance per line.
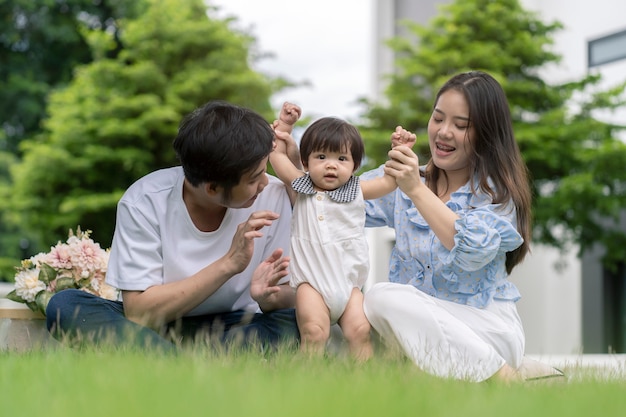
x=330, y=170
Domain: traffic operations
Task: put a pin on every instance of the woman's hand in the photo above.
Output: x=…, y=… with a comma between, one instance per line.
x=403, y=165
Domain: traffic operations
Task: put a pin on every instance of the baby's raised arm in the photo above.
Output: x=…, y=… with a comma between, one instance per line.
x=285, y=158
x=381, y=186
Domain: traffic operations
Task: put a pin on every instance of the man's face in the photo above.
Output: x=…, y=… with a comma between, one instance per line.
x=249, y=187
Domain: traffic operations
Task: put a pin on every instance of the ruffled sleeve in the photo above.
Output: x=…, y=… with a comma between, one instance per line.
x=482, y=234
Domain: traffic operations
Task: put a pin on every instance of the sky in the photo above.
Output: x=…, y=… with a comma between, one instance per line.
x=326, y=43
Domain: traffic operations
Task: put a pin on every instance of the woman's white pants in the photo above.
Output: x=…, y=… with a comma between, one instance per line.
x=444, y=338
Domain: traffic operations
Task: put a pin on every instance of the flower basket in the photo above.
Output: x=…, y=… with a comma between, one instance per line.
x=77, y=263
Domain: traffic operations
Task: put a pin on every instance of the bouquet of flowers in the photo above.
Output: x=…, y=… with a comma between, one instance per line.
x=77, y=263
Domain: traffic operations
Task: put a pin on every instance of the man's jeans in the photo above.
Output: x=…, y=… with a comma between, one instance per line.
x=83, y=319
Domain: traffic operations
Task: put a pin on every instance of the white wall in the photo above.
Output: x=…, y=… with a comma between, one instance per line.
x=551, y=304
x=381, y=241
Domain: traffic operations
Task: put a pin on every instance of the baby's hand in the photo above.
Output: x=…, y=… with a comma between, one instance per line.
x=402, y=136
x=289, y=115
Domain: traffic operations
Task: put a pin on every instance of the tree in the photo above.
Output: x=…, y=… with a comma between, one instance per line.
x=576, y=160
x=40, y=44
x=116, y=120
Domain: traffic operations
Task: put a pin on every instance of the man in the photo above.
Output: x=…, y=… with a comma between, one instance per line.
x=197, y=249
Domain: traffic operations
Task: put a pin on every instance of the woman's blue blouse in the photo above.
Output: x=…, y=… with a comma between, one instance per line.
x=474, y=271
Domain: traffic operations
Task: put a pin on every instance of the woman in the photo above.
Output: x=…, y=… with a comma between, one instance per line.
x=462, y=222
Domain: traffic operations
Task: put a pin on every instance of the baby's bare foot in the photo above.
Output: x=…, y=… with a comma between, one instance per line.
x=289, y=115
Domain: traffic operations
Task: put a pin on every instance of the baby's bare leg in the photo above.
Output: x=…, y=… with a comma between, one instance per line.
x=313, y=320
x=289, y=115
x=356, y=328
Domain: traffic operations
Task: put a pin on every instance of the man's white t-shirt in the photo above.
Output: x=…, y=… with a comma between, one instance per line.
x=155, y=241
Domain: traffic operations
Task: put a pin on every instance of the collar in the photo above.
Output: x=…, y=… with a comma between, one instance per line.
x=344, y=194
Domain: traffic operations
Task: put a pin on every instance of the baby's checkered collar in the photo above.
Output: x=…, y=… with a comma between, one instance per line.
x=344, y=194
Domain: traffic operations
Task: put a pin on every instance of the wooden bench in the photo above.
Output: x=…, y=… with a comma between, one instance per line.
x=22, y=329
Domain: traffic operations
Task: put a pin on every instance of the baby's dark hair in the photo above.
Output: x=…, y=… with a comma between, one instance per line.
x=333, y=135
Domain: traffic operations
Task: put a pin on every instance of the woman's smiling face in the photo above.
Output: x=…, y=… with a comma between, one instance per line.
x=450, y=133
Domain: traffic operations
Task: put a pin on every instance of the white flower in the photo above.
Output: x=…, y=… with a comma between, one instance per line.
x=27, y=284
x=108, y=292
x=37, y=260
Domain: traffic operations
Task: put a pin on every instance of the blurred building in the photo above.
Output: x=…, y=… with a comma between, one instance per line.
x=569, y=305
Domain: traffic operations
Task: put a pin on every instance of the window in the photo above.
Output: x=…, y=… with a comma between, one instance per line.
x=606, y=49
x=615, y=309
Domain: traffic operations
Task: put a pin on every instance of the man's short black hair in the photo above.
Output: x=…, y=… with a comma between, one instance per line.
x=219, y=142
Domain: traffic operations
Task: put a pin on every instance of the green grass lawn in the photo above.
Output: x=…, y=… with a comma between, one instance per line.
x=64, y=382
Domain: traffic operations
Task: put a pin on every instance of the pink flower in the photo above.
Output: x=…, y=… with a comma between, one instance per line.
x=86, y=256
x=59, y=257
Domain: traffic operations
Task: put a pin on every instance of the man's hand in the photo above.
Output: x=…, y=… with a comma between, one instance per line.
x=284, y=143
x=264, y=287
x=242, y=246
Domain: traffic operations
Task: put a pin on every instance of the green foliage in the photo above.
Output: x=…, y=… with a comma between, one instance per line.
x=7, y=269
x=576, y=160
x=40, y=45
x=117, y=118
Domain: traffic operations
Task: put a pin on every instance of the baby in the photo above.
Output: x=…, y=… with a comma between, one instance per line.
x=329, y=251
